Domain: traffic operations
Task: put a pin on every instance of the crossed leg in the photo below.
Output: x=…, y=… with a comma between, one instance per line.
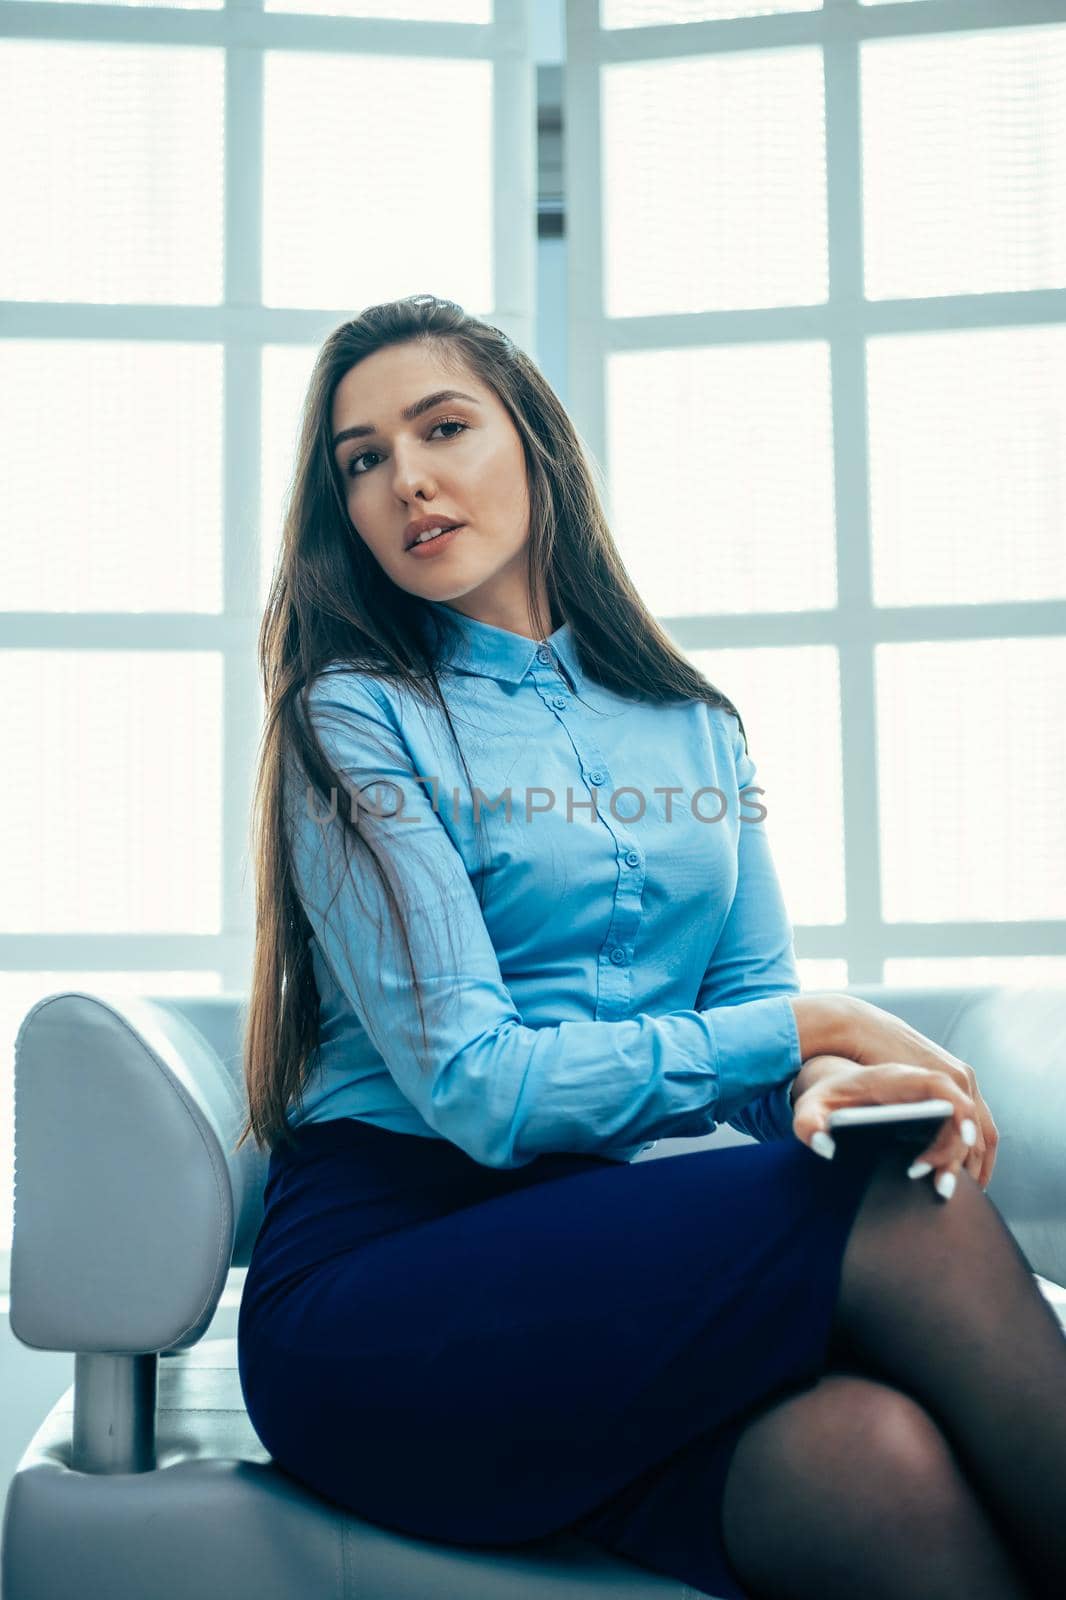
x=935, y=1464
x=850, y=1487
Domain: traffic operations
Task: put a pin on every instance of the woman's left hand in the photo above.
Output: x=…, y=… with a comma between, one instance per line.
x=834, y=1081
x=982, y=1158
x=876, y=1037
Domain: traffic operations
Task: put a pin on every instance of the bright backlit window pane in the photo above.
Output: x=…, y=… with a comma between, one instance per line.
x=1024, y=971
x=112, y=821
x=822, y=972
x=116, y=194
x=971, y=742
x=111, y=475
x=351, y=217
x=714, y=183
x=968, y=465
x=723, y=459
x=964, y=162
x=655, y=13
x=789, y=700
x=395, y=10
x=170, y=5
x=286, y=372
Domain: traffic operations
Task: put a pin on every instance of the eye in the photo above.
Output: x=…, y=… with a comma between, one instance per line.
x=447, y=422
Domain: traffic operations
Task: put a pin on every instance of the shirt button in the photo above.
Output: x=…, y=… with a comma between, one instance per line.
x=597, y=777
x=543, y=655
x=618, y=956
x=559, y=701
x=632, y=859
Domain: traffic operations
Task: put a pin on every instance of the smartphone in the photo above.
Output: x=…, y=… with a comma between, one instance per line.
x=914, y=1123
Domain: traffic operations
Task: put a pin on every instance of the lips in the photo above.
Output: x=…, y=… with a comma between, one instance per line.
x=420, y=539
x=435, y=542
x=415, y=530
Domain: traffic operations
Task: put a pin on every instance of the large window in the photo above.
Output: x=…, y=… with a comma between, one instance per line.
x=194, y=195
x=818, y=341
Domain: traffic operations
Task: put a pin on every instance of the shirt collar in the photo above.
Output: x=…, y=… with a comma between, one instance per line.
x=492, y=652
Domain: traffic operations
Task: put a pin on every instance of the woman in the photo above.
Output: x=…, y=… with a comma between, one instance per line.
x=515, y=924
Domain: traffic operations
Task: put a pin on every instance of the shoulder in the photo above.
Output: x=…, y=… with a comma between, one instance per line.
x=723, y=724
x=341, y=687
x=350, y=713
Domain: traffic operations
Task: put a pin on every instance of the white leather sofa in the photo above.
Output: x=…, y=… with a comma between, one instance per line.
x=146, y=1480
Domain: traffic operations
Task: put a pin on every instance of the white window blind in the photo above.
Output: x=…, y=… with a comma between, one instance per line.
x=818, y=345
x=202, y=192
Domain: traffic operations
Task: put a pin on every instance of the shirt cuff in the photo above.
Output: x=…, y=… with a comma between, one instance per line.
x=780, y=1110
x=758, y=1050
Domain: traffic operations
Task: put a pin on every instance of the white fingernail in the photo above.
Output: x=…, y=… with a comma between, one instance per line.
x=918, y=1169
x=824, y=1144
x=969, y=1132
x=945, y=1185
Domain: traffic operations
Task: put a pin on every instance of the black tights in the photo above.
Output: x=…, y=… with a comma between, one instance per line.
x=931, y=1462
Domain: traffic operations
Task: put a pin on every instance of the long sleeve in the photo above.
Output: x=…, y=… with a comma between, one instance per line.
x=501, y=1090
x=754, y=959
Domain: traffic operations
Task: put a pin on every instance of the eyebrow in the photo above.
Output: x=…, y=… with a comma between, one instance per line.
x=409, y=413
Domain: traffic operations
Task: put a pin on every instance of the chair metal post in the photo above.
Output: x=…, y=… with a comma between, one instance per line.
x=114, y=1413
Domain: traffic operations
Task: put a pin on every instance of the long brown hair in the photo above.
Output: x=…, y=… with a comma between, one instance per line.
x=330, y=602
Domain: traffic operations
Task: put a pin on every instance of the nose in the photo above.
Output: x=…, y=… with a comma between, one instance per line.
x=410, y=475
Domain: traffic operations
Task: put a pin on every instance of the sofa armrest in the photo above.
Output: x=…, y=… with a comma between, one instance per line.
x=125, y=1204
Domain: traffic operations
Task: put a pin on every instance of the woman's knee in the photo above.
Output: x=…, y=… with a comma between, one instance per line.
x=849, y=1465
x=904, y=1232
x=891, y=1191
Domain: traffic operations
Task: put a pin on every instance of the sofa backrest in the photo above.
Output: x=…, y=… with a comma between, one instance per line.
x=128, y=1186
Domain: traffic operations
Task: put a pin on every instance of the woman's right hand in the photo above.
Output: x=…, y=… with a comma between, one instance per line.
x=875, y=1037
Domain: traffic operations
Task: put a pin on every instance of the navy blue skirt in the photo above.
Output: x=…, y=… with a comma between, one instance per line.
x=481, y=1356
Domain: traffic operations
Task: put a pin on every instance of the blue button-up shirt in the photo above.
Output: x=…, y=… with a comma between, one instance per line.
x=628, y=975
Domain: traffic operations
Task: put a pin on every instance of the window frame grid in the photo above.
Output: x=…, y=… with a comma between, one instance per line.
x=855, y=626
x=242, y=326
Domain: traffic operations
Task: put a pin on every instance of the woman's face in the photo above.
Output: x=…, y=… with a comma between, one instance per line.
x=461, y=458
